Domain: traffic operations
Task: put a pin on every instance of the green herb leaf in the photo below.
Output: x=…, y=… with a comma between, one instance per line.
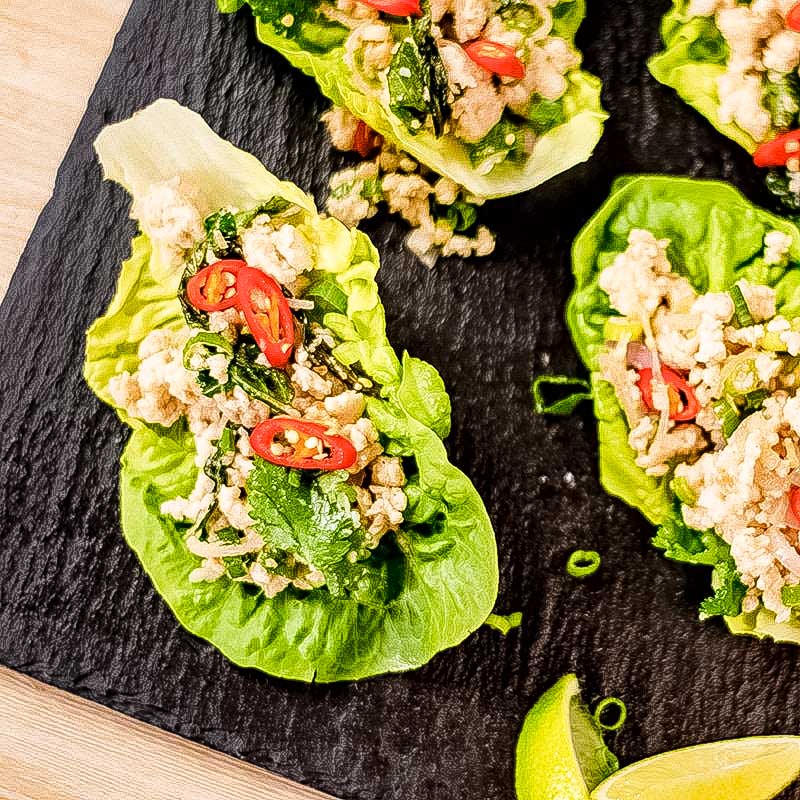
x=728, y=593
x=205, y=344
x=271, y=386
x=417, y=80
x=503, y=141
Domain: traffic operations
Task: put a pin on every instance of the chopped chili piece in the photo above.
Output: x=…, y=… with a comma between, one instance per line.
x=683, y=405
x=366, y=140
x=397, y=8
x=793, y=18
x=268, y=315
x=214, y=288
x=794, y=502
x=777, y=151
x=497, y=58
x=301, y=444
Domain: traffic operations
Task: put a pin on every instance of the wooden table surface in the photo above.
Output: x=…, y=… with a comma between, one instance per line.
x=53, y=745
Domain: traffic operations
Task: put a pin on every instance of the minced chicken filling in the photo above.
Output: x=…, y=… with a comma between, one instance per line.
x=167, y=387
x=441, y=213
x=709, y=386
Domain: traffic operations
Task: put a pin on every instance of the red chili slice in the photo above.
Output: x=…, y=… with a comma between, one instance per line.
x=794, y=502
x=793, y=18
x=497, y=58
x=397, y=8
x=214, y=288
x=268, y=315
x=689, y=405
x=365, y=140
x=778, y=151
x=337, y=451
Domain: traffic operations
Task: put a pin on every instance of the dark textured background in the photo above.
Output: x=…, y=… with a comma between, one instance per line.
x=77, y=611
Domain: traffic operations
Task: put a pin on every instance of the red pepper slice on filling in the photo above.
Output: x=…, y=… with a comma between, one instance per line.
x=397, y=8
x=793, y=18
x=778, y=151
x=297, y=443
x=214, y=288
x=497, y=58
x=268, y=315
x=365, y=140
x=794, y=502
x=683, y=404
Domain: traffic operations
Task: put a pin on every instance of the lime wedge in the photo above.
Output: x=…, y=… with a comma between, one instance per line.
x=756, y=769
x=560, y=753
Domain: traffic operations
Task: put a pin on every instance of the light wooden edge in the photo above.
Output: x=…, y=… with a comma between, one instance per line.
x=57, y=746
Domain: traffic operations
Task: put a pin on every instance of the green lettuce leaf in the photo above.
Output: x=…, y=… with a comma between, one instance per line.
x=560, y=148
x=439, y=585
x=716, y=238
x=694, y=57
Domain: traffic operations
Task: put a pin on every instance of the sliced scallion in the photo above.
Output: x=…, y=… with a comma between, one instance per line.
x=683, y=491
x=728, y=415
x=583, y=563
x=740, y=307
x=618, y=711
x=565, y=405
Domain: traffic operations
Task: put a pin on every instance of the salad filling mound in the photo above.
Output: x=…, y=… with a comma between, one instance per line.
x=488, y=93
x=251, y=414
x=686, y=311
x=709, y=387
x=443, y=216
x=285, y=485
x=737, y=63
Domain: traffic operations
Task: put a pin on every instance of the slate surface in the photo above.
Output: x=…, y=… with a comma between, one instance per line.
x=77, y=611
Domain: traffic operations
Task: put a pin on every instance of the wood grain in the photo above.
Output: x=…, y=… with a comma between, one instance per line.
x=55, y=746
x=50, y=58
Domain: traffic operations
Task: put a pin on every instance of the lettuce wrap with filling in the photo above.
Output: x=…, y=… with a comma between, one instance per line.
x=413, y=102
x=433, y=578
x=714, y=238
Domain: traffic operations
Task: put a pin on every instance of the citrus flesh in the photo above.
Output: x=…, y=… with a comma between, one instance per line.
x=756, y=768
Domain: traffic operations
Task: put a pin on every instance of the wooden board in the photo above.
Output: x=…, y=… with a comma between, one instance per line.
x=56, y=746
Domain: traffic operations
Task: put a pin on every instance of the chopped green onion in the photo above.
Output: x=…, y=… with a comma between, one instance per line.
x=790, y=595
x=228, y=535
x=504, y=622
x=754, y=401
x=617, y=327
x=567, y=404
x=234, y=566
x=728, y=415
x=740, y=307
x=583, y=563
x=684, y=492
x=618, y=718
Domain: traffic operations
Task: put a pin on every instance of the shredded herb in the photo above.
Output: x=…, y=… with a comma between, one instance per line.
x=790, y=595
x=205, y=344
x=564, y=406
x=271, y=386
x=417, y=80
x=782, y=99
x=504, y=141
x=504, y=622
x=613, y=706
x=728, y=415
x=583, y=563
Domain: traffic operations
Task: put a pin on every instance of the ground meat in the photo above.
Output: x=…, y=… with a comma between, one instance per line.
x=368, y=49
x=477, y=111
x=341, y=125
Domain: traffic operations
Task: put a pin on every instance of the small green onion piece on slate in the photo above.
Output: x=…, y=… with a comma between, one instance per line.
x=728, y=415
x=583, y=563
x=618, y=710
x=504, y=622
x=683, y=491
x=566, y=405
x=740, y=307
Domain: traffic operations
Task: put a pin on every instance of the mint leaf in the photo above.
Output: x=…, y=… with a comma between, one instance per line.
x=311, y=518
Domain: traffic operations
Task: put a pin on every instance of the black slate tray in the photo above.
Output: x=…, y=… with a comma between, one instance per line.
x=77, y=611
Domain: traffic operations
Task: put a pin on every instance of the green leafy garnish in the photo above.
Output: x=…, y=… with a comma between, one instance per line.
x=504, y=141
x=271, y=386
x=417, y=80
